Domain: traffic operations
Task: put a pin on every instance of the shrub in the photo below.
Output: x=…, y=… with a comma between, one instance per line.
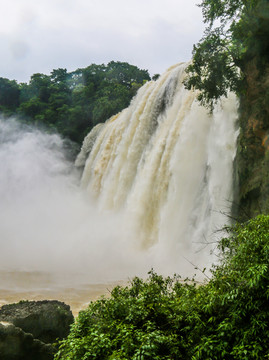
x=165, y=318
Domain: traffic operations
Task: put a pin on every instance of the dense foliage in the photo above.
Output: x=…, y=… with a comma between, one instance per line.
x=237, y=31
x=165, y=318
x=72, y=103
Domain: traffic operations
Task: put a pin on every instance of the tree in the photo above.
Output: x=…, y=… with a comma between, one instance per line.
x=9, y=95
x=125, y=74
x=39, y=86
x=72, y=103
x=219, y=59
x=155, y=77
x=32, y=108
x=59, y=75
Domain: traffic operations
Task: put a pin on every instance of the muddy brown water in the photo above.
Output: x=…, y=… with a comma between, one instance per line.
x=18, y=285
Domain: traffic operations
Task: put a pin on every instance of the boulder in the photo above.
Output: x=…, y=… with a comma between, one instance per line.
x=15, y=344
x=45, y=320
x=28, y=329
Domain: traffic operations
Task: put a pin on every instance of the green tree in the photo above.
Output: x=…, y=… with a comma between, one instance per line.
x=59, y=75
x=125, y=74
x=72, y=103
x=39, y=86
x=155, y=77
x=32, y=108
x=9, y=95
x=237, y=31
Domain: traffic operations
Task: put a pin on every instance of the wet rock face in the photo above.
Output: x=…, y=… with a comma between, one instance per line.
x=28, y=328
x=15, y=344
x=253, y=144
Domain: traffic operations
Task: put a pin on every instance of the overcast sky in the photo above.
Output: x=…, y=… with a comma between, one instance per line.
x=42, y=35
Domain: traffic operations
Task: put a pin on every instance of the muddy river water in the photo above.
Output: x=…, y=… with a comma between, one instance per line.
x=17, y=286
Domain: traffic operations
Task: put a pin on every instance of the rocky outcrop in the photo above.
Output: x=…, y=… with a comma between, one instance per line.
x=28, y=329
x=15, y=344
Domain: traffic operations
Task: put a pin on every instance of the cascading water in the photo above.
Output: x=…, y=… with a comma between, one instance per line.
x=166, y=165
x=157, y=181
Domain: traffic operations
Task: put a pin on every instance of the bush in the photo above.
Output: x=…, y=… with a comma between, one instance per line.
x=166, y=318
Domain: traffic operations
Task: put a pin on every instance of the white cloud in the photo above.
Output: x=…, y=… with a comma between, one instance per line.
x=38, y=36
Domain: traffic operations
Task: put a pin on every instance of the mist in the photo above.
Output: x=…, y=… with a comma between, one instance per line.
x=48, y=224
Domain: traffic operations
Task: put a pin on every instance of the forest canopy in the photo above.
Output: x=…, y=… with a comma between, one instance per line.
x=72, y=102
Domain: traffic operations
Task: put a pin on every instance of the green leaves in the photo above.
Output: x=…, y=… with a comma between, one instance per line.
x=212, y=70
x=164, y=318
x=221, y=9
x=9, y=95
x=220, y=58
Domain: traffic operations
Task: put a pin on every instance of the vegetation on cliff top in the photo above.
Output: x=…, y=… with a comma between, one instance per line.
x=72, y=103
x=164, y=318
x=237, y=31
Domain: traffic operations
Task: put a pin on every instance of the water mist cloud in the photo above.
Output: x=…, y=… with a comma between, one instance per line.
x=46, y=222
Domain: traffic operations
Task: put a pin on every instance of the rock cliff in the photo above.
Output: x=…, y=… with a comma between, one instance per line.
x=253, y=143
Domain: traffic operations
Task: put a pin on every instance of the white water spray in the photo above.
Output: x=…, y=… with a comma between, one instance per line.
x=157, y=179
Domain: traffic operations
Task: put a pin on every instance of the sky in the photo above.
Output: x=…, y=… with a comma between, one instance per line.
x=37, y=36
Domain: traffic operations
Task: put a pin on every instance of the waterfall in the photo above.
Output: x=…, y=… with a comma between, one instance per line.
x=165, y=164
x=157, y=185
